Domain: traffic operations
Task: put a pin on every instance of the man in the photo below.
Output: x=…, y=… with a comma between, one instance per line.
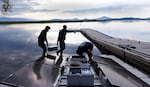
x=43, y=38
x=61, y=40
x=85, y=47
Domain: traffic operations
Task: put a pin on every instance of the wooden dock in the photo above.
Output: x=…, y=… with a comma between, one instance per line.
x=134, y=52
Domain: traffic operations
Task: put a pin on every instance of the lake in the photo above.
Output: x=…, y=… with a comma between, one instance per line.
x=19, y=46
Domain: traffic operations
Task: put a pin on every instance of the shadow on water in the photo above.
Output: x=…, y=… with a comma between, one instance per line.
x=37, y=67
x=59, y=61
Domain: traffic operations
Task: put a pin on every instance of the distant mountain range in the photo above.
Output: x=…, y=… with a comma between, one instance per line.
x=104, y=18
x=13, y=19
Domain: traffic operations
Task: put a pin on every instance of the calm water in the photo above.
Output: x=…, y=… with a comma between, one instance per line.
x=18, y=45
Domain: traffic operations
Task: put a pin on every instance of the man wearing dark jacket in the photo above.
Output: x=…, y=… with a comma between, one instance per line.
x=61, y=40
x=43, y=38
x=85, y=47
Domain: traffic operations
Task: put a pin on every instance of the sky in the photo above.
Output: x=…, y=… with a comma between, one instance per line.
x=53, y=9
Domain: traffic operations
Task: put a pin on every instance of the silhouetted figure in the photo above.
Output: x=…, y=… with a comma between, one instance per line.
x=85, y=47
x=42, y=39
x=61, y=39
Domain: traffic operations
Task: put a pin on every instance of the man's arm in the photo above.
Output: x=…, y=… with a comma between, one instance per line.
x=46, y=41
x=69, y=31
x=57, y=42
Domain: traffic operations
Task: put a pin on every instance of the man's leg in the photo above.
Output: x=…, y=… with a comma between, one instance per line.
x=43, y=46
x=61, y=52
x=90, y=55
x=58, y=52
x=62, y=48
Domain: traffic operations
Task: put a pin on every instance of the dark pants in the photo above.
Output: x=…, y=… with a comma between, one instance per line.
x=62, y=47
x=43, y=46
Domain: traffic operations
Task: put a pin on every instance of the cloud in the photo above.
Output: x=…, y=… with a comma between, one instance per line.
x=99, y=9
x=111, y=8
x=44, y=10
x=26, y=7
x=55, y=8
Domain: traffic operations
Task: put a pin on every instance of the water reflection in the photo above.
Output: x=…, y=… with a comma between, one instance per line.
x=16, y=50
x=37, y=67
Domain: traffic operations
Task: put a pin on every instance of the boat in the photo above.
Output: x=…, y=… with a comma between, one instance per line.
x=78, y=72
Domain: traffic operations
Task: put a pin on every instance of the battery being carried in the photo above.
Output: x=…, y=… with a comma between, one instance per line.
x=52, y=48
x=51, y=57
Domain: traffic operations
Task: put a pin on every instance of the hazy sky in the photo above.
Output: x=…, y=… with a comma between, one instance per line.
x=50, y=9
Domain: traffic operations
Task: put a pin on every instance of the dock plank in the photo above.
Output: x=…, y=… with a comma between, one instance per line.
x=134, y=52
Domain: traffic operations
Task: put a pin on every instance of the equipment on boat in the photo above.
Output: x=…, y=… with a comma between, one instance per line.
x=78, y=72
